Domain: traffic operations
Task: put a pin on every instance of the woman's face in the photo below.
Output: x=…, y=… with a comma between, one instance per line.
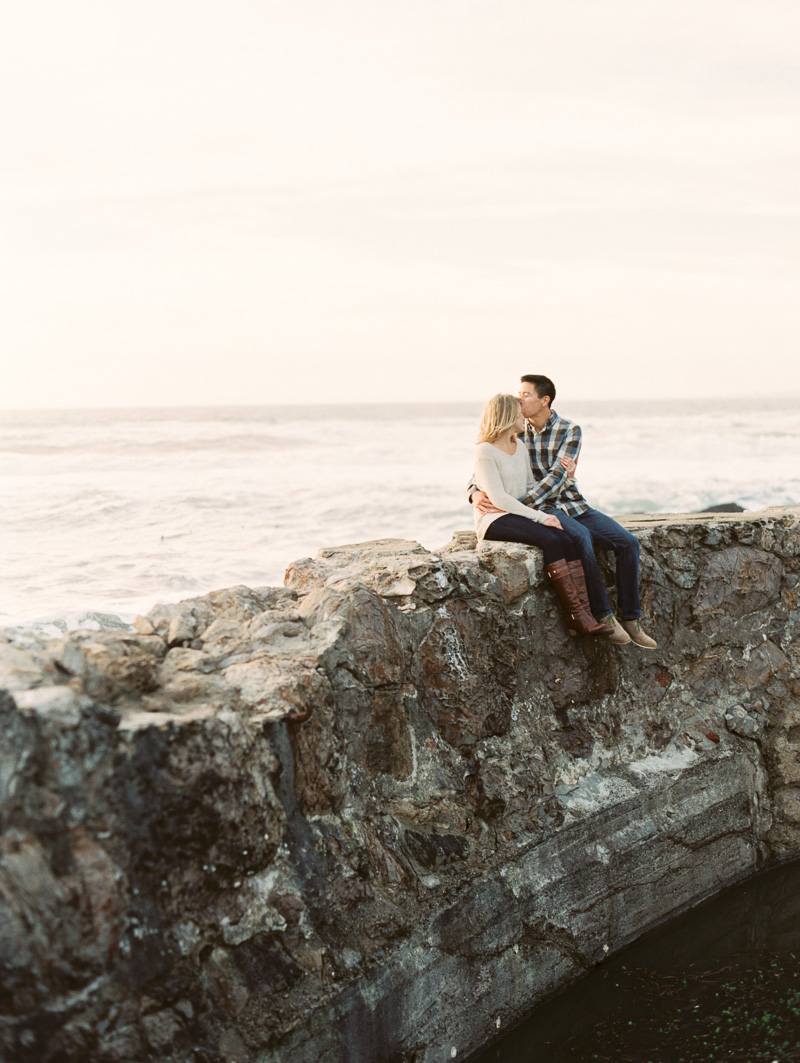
x=519, y=424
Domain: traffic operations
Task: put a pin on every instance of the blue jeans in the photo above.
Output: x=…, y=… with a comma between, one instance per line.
x=555, y=545
x=594, y=530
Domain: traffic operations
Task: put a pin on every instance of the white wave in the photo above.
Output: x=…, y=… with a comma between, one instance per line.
x=108, y=512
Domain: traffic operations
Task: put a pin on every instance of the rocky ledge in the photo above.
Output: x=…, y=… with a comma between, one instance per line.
x=379, y=813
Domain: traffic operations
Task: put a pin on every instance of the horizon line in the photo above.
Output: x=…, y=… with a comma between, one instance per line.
x=114, y=407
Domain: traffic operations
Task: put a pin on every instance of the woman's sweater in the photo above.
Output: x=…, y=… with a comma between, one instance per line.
x=505, y=478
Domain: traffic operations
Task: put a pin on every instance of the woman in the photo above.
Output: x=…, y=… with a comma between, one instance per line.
x=503, y=471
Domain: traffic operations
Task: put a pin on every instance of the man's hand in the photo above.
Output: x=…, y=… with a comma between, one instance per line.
x=569, y=465
x=553, y=522
x=480, y=501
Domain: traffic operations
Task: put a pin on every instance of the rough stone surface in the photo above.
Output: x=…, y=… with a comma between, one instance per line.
x=381, y=812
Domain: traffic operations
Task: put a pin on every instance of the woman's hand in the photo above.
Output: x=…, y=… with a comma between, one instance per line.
x=553, y=522
x=569, y=465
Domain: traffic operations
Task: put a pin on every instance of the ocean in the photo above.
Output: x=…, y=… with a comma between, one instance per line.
x=108, y=512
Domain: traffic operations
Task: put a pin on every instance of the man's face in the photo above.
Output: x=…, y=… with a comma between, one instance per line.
x=530, y=402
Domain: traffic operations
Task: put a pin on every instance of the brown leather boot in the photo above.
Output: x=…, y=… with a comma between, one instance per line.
x=579, y=618
x=579, y=579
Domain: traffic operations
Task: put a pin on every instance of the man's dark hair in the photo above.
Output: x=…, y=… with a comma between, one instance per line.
x=543, y=384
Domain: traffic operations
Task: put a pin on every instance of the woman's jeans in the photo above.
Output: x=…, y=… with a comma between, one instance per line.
x=594, y=530
x=555, y=545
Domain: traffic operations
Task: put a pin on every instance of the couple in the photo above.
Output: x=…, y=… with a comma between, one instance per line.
x=523, y=491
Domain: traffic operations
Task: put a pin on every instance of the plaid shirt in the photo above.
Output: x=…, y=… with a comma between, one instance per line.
x=557, y=439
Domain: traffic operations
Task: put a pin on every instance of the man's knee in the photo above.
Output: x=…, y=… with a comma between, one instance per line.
x=580, y=534
x=621, y=540
x=583, y=540
x=630, y=543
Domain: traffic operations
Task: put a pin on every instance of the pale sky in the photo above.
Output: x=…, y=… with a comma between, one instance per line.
x=215, y=202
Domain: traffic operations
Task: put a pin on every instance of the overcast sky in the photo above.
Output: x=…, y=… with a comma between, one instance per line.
x=225, y=201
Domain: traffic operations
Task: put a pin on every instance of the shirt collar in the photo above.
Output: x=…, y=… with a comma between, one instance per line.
x=549, y=423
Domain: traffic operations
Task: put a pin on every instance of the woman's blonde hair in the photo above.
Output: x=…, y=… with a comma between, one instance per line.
x=499, y=416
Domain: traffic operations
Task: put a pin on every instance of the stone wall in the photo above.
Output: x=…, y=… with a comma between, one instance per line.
x=378, y=814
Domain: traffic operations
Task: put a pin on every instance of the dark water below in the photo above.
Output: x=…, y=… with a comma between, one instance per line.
x=721, y=983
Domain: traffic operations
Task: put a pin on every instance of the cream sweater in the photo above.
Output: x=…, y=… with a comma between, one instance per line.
x=505, y=478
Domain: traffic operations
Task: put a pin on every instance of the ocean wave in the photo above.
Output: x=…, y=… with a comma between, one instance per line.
x=52, y=627
x=110, y=516
x=135, y=448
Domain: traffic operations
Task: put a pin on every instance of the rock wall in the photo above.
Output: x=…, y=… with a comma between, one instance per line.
x=378, y=814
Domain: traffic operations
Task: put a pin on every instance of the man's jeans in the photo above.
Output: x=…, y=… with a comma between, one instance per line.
x=592, y=531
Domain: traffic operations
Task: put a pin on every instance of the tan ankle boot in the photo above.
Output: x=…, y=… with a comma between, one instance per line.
x=638, y=635
x=617, y=635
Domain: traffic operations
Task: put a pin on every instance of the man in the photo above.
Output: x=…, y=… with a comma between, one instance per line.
x=554, y=445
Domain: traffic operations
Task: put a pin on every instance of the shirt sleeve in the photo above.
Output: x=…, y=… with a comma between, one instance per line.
x=547, y=490
x=488, y=476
